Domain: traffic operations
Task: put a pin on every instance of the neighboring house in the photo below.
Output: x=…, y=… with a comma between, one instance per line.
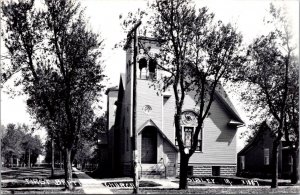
x=157, y=146
x=254, y=160
x=103, y=148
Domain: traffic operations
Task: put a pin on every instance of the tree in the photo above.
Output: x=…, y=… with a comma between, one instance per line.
x=291, y=128
x=61, y=72
x=197, y=54
x=86, y=152
x=33, y=148
x=20, y=144
x=48, y=152
x=12, y=143
x=91, y=139
x=268, y=74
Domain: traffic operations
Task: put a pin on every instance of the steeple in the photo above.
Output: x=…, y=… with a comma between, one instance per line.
x=147, y=58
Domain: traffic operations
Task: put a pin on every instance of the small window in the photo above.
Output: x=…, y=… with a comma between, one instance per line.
x=290, y=159
x=188, y=136
x=190, y=171
x=242, y=162
x=215, y=170
x=199, y=145
x=266, y=156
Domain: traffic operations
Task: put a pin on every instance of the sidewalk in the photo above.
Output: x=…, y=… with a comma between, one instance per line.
x=90, y=185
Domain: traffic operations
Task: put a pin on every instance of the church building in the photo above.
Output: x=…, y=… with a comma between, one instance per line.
x=158, y=153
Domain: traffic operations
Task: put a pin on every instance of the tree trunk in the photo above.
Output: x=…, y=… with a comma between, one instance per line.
x=68, y=170
x=52, y=158
x=274, y=183
x=184, y=161
x=99, y=159
x=29, y=163
x=295, y=172
x=60, y=160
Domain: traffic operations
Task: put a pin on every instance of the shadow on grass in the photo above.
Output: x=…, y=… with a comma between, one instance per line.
x=34, y=172
x=221, y=190
x=232, y=180
x=35, y=177
x=96, y=174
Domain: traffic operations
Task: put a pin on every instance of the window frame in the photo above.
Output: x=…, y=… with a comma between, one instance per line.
x=200, y=137
x=266, y=156
x=242, y=162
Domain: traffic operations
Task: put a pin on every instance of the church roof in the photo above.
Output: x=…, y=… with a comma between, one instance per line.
x=224, y=98
x=219, y=92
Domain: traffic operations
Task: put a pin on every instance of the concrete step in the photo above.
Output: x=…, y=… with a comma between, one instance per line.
x=152, y=174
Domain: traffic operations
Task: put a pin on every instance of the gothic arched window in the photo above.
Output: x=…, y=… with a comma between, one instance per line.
x=152, y=65
x=188, y=127
x=142, y=63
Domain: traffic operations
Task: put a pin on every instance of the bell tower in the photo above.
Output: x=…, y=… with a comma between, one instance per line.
x=147, y=59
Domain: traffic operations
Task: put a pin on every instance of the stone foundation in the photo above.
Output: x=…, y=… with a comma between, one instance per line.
x=205, y=170
x=202, y=170
x=227, y=170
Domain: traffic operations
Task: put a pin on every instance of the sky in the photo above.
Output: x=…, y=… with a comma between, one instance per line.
x=103, y=18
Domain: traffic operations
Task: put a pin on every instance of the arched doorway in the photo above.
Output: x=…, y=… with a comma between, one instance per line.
x=149, y=145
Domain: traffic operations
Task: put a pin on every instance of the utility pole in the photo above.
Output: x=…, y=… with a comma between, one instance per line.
x=134, y=134
x=52, y=156
x=1, y=133
x=29, y=153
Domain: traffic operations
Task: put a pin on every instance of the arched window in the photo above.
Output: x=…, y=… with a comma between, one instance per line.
x=152, y=68
x=188, y=127
x=152, y=65
x=143, y=67
x=142, y=63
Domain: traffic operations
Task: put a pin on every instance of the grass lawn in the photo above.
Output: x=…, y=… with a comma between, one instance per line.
x=34, y=172
x=35, y=180
x=220, y=190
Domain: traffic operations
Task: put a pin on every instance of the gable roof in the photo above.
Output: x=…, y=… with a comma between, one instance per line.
x=123, y=79
x=151, y=123
x=223, y=97
x=262, y=128
x=115, y=88
x=121, y=83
